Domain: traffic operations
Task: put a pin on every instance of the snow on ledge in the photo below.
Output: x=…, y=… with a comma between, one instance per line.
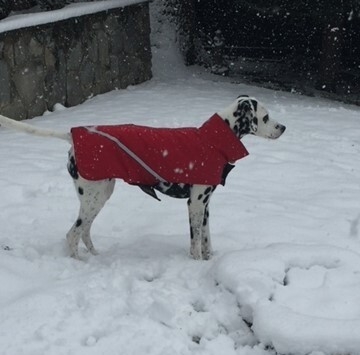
x=74, y=10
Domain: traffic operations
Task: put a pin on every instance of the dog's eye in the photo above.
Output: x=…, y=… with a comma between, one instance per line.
x=266, y=118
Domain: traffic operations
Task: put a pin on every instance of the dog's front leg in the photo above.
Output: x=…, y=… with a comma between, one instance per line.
x=197, y=205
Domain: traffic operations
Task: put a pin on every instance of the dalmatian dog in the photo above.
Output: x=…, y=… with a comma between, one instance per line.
x=246, y=115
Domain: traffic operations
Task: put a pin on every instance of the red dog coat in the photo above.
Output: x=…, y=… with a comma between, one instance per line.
x=146, y=156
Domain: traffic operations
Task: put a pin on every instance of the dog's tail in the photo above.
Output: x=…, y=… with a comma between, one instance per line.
x=24, y=127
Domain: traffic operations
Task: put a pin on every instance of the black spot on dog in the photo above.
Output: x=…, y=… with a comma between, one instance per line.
x=200, y=197
x=72, y=168
x=227, y=122
x=205, y=221
x=242, y=127
x=255, y=104
x=191, y=233
x=206, y=199
x=78, y=222
x=208, y=190
x=81, y=191
x=266, y=118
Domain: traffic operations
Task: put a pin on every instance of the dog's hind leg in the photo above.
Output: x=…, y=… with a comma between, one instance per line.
x=92, y=196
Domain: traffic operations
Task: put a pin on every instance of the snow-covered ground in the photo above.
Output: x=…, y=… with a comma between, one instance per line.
x=285, y=277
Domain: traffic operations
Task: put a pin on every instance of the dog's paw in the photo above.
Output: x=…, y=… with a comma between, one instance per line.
x=93, y=251
x=74, y=253
x=196, y=254
x=207, y=255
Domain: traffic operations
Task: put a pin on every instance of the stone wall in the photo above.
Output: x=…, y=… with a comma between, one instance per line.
x=69, y=61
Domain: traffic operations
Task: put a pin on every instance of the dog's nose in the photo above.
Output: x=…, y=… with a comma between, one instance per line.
x=280, y=127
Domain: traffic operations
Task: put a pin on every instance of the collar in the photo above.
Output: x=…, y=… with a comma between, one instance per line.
x=221, y=137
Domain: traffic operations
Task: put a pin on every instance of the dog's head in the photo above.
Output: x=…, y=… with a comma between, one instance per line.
x=248, y=116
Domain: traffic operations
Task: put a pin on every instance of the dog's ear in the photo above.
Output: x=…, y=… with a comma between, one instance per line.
x=255, y=104
x=244, y=106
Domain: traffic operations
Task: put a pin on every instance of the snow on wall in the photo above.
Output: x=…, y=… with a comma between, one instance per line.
x=73, y=10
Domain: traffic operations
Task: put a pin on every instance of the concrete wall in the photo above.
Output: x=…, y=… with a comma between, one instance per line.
x=68, y=61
